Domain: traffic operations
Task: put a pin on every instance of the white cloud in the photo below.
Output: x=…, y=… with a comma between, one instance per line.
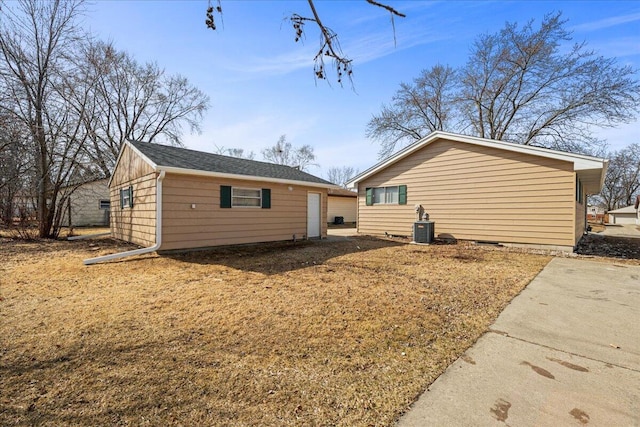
x=608, y=22
x=361, y=49
x=621, y=136
x=254, y=134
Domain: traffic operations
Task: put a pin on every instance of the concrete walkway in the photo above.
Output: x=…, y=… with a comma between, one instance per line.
x=341, y=233
x=565, y=352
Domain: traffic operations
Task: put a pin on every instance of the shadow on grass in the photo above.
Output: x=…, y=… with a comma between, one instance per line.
x=281, y=257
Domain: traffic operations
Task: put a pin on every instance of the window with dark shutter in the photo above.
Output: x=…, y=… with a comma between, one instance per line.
x=392, y=195
x=266, y=198
x=402, y=194
x=225, y=196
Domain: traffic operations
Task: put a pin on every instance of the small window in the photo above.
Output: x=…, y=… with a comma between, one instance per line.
x=246, y=197
x=105, y=204
x=236, y=197
x=395, y=195
x=126, y=197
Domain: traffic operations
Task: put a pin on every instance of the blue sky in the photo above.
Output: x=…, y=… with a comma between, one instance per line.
x=261, y=83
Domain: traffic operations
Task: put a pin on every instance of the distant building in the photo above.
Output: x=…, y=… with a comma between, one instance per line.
x=626, y=215
x=595, y=213
x=88, y=205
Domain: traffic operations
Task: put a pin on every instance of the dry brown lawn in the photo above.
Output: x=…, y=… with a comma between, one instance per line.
x=327, y=333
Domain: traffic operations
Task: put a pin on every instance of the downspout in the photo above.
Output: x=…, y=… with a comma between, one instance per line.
x=158, y=232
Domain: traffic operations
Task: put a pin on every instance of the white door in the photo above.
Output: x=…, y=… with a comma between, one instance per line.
x=313, y=215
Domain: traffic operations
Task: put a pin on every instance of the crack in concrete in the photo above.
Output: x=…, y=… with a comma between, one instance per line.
x=507, y=335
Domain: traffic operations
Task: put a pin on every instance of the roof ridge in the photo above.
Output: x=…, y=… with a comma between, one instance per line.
x=187, y=159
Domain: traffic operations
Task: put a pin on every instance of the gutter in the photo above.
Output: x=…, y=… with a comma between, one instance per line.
x=141, y=251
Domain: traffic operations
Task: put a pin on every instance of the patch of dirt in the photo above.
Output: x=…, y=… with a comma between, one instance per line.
x=609, y=246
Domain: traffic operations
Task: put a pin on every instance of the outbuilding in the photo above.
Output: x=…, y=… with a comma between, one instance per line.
x=342, y=206
x=88, y=204
x=170, y=198
x=626, y=215
x=481, y=190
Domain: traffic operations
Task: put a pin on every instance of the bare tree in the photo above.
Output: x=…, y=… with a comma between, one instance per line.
x=521, y=85
x=235, y=152
x=416, y=109
x=622, y=182
x=14, y=166
x=329, y=46
x=283, y=153
x=36, y=47
x=341, y=175
x=136, y=101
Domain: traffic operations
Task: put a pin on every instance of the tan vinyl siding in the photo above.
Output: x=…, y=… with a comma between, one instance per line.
x=209, y=225
x=477, y=193
x=342, y=206
x=137, y=224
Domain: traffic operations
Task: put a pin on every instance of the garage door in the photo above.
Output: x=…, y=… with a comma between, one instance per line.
x=313, y=215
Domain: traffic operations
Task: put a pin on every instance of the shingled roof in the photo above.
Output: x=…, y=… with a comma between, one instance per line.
x=167, y=157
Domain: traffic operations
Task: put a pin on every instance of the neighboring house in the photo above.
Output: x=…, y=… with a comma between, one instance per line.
x=88, y=205
x=342, y=203
x=480, y=189
x=595, y=213
x=210, y=200
x=626, y=215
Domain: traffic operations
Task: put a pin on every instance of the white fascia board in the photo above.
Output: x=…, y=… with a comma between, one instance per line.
x=196, y=172
x=580, y=162
x=135, y=150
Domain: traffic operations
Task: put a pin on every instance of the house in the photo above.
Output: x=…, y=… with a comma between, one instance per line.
x=481, y=190
x=626, y=215
x=342, y=203
x=175, y=198
x=88, y=204
x=595, y=213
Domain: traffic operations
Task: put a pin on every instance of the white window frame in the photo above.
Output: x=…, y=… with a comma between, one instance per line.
x=233, y=197
x=102, y=202
x=384, y=195
x=126, y=195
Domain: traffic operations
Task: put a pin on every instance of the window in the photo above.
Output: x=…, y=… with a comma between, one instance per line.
x=579, y=190
x=246, y=197
x=395, y=195
x=238, y=197
x=105, y=204
x=126, y=197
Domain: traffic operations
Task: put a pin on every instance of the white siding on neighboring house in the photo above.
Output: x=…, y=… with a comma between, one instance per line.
x=88, y=205
x=626, y=215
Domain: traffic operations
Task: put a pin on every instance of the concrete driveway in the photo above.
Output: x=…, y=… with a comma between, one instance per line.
x=622, y=230
x=565, y=352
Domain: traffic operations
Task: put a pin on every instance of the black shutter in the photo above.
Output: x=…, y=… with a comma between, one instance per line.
x=225, y=196
x=131, y=196
x=266, y=198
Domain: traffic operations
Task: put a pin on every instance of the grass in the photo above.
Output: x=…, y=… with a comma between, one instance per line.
x=328, y=333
